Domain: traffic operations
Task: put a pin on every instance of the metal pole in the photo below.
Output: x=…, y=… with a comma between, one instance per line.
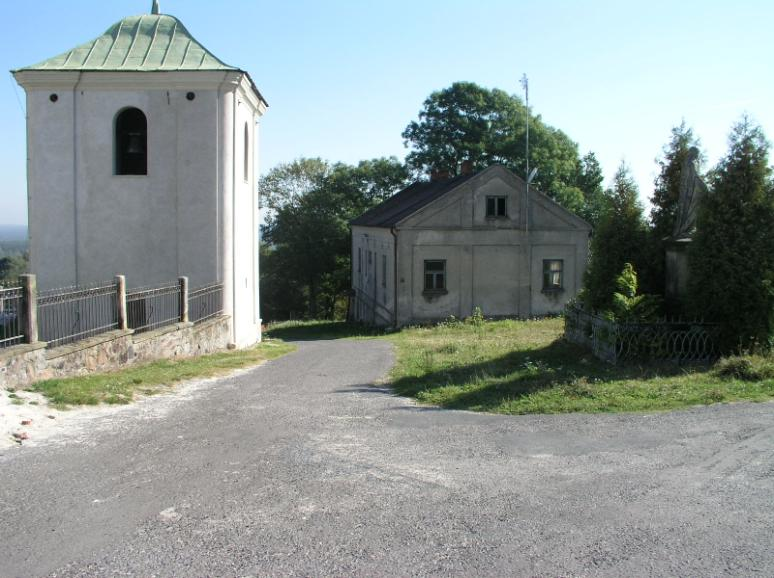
x=525, y=85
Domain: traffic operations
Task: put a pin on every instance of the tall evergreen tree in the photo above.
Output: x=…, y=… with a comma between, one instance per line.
x=732, y=254
x=589, y=180
x=619, y=239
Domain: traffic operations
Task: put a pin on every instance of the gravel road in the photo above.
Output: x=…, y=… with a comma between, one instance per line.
x=304, y=467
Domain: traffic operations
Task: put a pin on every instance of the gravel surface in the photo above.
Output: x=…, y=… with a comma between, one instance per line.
x=304, y=467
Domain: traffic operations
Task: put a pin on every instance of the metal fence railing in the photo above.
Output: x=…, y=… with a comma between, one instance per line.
x=205, y=302
x=150, y=308
x=623, y=342
x=68, y=315
x=11, y=312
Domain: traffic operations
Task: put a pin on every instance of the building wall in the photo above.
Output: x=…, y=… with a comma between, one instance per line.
x=193, y=214
x=373, y=279
x=492, y=263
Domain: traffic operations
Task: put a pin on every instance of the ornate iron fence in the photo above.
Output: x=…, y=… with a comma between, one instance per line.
x=70, y=314
x=11, y=312
x=205, y=302
x=150, y=308
x=617, y=342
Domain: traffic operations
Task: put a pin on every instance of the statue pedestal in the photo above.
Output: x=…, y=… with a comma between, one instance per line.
x=677, y=268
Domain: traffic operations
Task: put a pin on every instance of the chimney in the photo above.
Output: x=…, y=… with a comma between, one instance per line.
x=439, y=174
x=466, y=168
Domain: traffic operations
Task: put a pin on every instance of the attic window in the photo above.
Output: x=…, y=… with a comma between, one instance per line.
x=496, y=207
x=131, y=143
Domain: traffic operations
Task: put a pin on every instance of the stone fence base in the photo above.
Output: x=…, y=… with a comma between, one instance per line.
x=23, y=365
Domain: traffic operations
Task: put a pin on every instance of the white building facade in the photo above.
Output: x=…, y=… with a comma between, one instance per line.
x=443, y=248
x=142, y=162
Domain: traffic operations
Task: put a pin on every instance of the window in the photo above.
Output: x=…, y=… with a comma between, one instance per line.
x=384, y=270
x=553, y=275
x=247, y=153
x=359, y=259
x=496, y=207
x=435, y=276
x=131, y=143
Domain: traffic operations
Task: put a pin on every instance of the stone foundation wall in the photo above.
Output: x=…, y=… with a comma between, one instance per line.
x=25, y=364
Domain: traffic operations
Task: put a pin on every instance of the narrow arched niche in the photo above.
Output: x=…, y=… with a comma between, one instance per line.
x=131, y=142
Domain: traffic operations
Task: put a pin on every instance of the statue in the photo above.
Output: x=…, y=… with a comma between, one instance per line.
x=692, y=191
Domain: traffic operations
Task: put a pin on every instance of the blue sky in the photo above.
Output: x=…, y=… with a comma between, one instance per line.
x=344, y=78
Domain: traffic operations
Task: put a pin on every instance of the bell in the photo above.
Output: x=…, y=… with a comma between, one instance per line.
x=136, y=145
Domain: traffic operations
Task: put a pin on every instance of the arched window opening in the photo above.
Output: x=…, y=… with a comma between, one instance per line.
x=131, y=143
x=247, y=153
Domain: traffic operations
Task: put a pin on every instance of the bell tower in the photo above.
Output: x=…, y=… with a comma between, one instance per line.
x=142, y=151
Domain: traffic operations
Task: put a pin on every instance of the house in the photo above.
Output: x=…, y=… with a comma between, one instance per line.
x=446, y=246
x=142, y=148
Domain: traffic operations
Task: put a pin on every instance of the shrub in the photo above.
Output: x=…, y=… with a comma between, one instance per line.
x=746, y=367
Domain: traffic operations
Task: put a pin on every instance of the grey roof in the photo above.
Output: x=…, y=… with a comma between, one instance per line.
x=146, y=43
x=408, y=201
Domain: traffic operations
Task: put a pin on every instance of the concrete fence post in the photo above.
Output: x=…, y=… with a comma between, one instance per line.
x=30, y=308
x=123, y=321
x=184, y=299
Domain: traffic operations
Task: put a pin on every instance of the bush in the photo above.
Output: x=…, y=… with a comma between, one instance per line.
x=746, y=367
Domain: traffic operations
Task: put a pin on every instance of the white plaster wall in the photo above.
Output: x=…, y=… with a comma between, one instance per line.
x=88, y=224
x=370, y=279
x=247, y=327
x=51, y=185
x=488, y=259
x=193, y=214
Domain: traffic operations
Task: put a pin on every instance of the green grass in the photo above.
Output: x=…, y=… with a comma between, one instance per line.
x=520, y=367
x=122, y=386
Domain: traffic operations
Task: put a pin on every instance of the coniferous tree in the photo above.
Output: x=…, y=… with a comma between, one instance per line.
x=732, y=254
x=619, y=239
x=589, y=180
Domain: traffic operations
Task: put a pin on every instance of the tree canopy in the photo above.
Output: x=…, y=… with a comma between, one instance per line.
x=619, y=239
x=467, y=122
x=732, y=255
x=306, y=252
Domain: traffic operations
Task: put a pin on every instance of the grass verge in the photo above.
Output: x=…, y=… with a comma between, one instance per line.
x=520, y=367
x=120, y=387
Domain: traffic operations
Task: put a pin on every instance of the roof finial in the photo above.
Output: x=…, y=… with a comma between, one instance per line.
x=155, y=9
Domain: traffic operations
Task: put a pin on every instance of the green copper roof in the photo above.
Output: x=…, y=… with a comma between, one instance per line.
x=147, y=43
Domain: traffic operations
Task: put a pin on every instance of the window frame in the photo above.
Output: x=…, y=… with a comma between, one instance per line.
x=433, y=288
x=498, y=202
x=549, y=272
x=123, y=166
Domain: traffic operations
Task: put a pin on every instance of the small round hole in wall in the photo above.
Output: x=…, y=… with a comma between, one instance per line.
x=53, y=97
x=190, y=95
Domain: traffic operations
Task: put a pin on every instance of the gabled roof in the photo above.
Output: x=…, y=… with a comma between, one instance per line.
x=146, y=43
x=408, y=201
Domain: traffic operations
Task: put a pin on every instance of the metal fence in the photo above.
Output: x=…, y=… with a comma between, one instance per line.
x=617, y=342
x=11, y=312
x=150, y=308
x=205, y=302
x=68, y=315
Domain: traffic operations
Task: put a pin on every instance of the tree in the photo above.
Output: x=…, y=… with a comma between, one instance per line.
x=589, y=180
x=731, y=258
x=619, y=239
x=306, y=267
x=12, y=267
x=467, y=122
